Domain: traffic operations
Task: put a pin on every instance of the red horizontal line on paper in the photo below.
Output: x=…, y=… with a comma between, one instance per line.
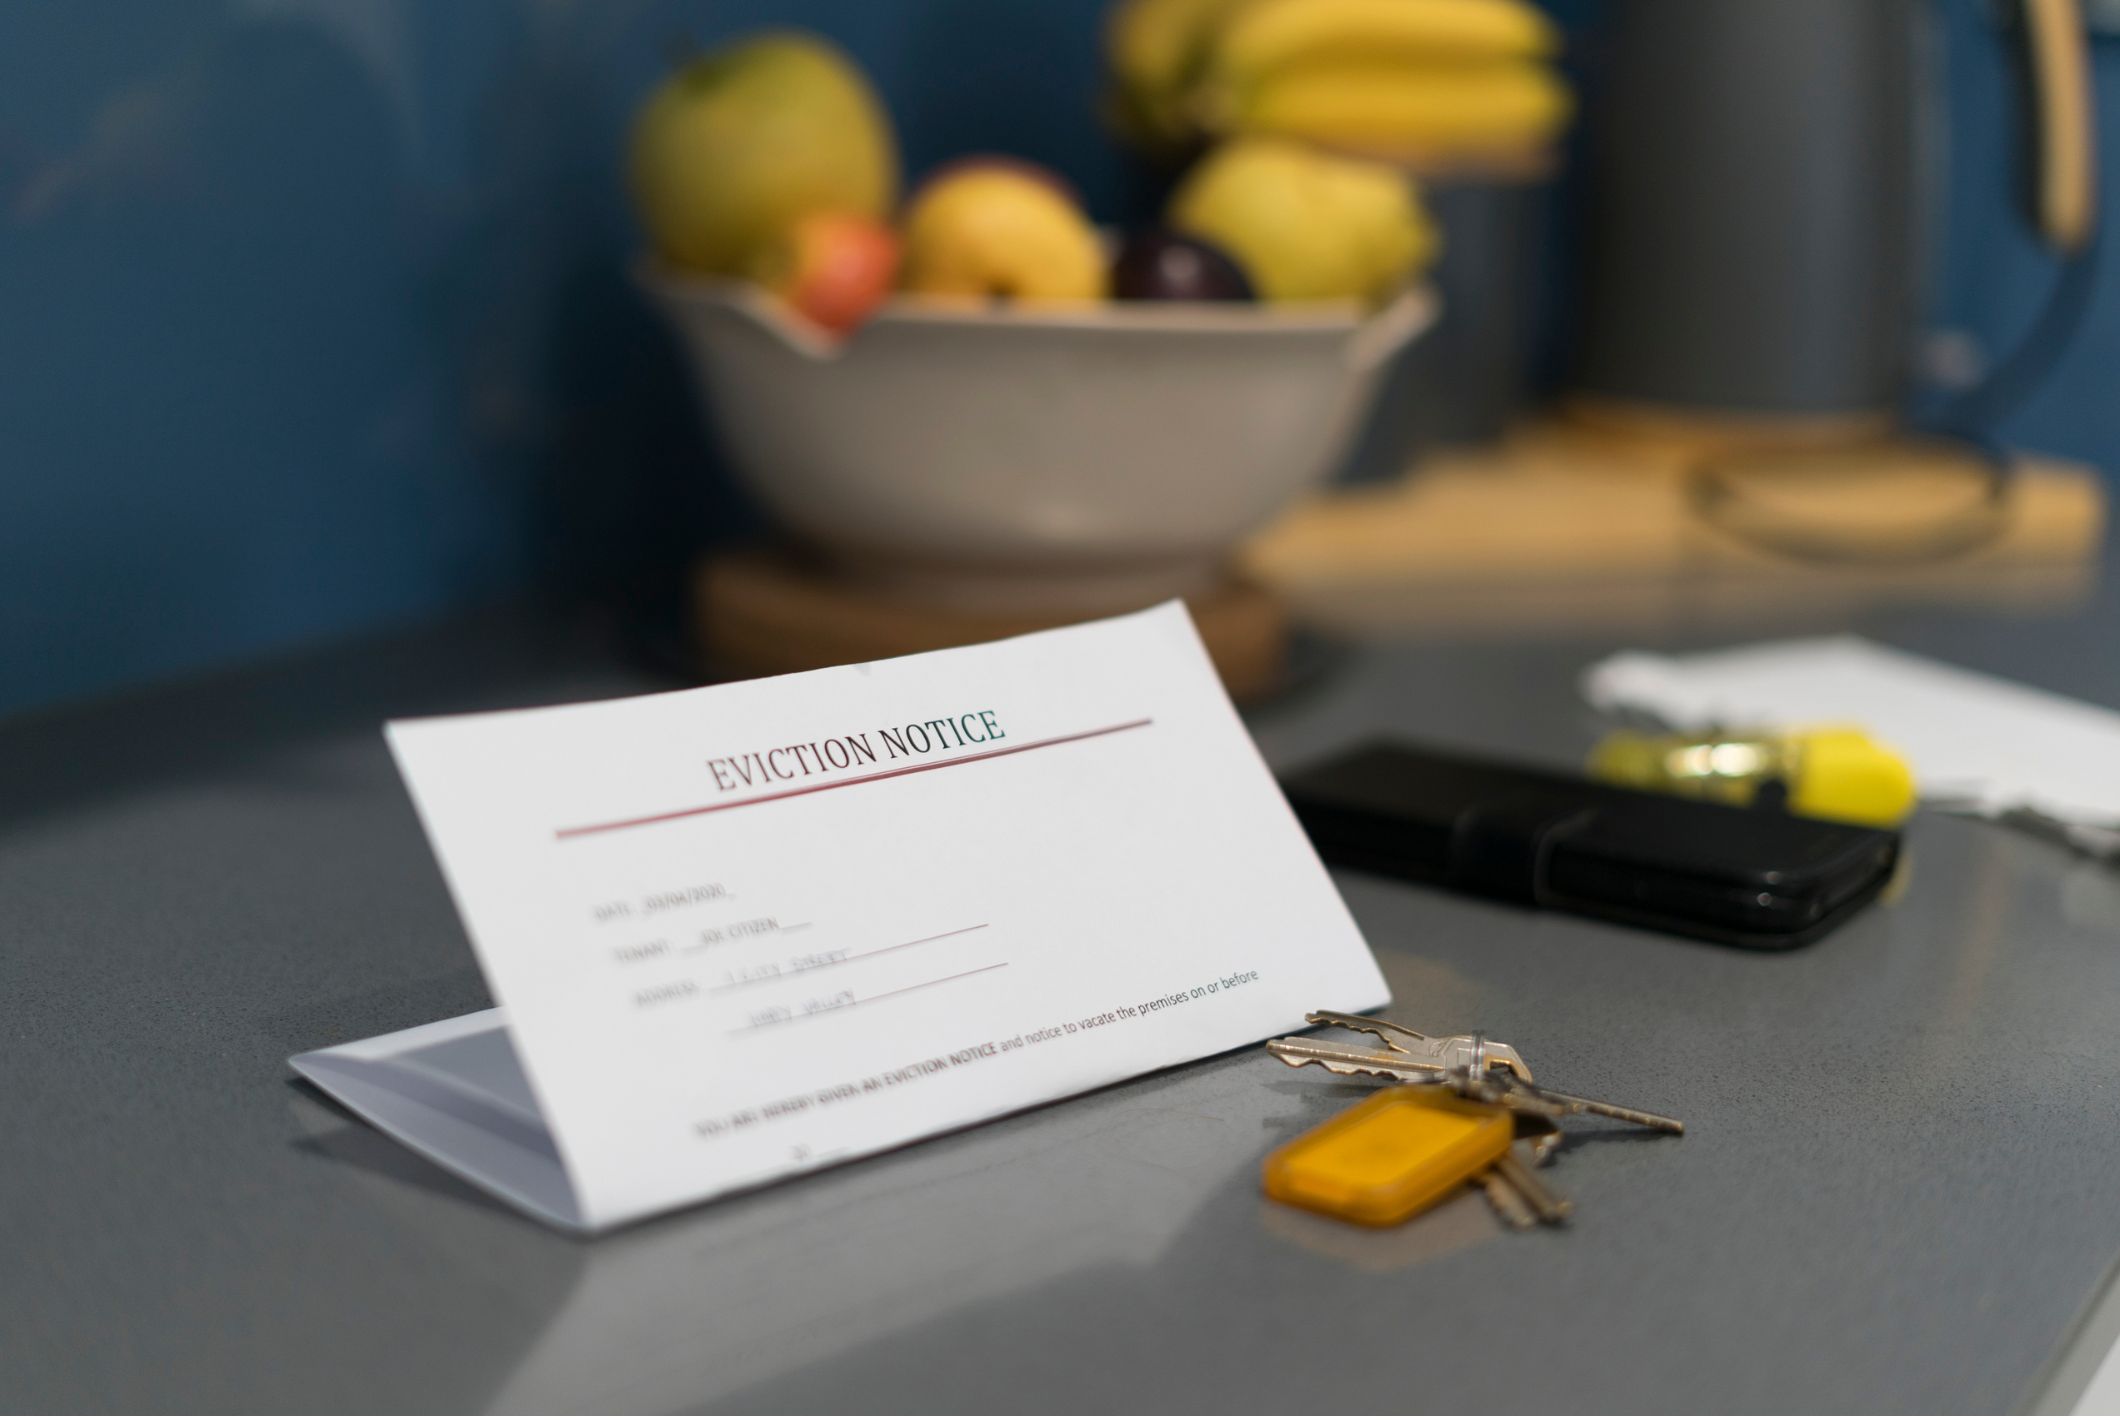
x=588, y=828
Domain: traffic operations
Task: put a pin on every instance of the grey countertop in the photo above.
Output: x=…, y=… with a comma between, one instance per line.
x=1898, y=1191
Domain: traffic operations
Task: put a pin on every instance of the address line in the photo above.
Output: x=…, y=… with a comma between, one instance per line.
x=842, y=961
x=789, y=1020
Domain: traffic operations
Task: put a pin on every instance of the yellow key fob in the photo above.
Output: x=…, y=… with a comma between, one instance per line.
x=1832, y=772
x=1401, y=1150
x=1852, y=778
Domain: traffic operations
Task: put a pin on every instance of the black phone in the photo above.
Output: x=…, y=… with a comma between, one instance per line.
x=1750, y=877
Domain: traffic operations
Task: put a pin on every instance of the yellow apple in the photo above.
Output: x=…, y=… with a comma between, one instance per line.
x=1307, y=225
x=1001, y=228
x=740, y=144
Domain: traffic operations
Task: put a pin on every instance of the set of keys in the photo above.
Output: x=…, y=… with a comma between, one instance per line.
x=1454, y=1116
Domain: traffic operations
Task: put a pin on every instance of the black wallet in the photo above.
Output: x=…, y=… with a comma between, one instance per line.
x=1751, y=877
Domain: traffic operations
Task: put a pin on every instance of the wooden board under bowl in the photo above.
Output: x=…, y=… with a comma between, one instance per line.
x=759, y=612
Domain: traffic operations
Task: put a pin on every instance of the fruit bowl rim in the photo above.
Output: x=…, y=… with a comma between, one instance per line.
x=1260, y=318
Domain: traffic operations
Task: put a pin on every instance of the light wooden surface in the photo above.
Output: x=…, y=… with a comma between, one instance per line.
x=758, y=612
x=1565, y=526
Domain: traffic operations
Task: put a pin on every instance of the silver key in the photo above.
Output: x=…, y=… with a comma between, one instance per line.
x=1452, y=1052
x=1549, y=1206
x=1491, y=1086
x=1519, y=1196
x=1500, y=1087
x=1545, y=1141
x=1437, y=1059
x=1507, y=1203
x=1352, y=1060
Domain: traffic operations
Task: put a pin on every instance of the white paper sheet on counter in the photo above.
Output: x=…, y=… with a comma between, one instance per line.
x=748, y=930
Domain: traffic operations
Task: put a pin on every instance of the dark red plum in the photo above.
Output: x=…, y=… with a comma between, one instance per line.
x=1163, y=266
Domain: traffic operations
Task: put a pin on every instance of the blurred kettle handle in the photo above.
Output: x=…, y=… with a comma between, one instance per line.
x=1386, y=331
x=2065, y=188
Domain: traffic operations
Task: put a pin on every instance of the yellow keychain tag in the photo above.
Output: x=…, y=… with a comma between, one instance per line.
x=1826, y=771
x=1396, y=1153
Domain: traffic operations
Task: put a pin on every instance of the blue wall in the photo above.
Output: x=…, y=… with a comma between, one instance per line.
x=1990, y=274
x=313, y=316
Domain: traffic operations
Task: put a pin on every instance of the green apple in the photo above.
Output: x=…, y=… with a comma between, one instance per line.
x=740, y=144
x=1307, y=225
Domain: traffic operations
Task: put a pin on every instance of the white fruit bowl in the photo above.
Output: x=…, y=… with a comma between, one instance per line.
x=1024, y=458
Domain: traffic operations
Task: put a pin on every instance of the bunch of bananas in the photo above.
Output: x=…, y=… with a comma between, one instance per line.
x=1414, y=81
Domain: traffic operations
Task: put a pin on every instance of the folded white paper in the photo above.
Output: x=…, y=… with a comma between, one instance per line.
x=744, y=931
x=1974, y=739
